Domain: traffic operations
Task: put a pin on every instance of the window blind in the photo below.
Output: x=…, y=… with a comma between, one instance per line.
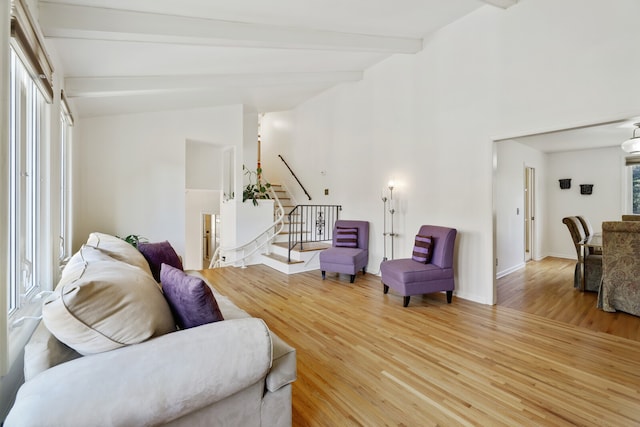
x=632, y=160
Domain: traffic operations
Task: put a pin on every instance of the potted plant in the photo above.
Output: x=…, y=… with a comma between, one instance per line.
x=134, y=239
x=255, y=190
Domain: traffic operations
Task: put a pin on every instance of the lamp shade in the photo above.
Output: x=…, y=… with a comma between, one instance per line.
x=632, y=145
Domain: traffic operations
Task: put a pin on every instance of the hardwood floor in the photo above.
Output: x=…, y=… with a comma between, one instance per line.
x=364, y=360
x=545, y=288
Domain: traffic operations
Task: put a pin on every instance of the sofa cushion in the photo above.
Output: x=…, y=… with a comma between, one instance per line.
x=190, y=299
x=423, y=249
x=346, y=237
x=117, y=248
x=157, y=254
x=101, y=304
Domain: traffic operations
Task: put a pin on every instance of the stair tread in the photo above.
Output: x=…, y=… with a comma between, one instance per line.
x=309, y=246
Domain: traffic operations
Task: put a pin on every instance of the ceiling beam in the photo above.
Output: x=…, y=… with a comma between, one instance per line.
x=85, y=87
x=504, y=4
x=82, y=22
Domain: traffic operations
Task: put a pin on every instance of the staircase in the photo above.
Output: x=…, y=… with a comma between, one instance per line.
x=301, y=259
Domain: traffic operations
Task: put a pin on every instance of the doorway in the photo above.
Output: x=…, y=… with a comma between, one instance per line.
x=529, y=212
x=210, y=237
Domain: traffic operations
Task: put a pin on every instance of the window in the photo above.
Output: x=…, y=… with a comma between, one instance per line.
x=632, y=184
x=26, y=196
x=635, y=188
x=25, y=109
x=66, y=123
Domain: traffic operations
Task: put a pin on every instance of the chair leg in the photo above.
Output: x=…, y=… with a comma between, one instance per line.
x=406, y=301
x=364, y=270
x=324, y=274
x=353, y=278
x=385, y=288
x=449, y=296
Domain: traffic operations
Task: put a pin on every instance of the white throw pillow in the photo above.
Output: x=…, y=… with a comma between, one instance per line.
x=101, y=304
x=117, y=248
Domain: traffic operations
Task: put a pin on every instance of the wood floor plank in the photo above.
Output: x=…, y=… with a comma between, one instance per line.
x=364, y=360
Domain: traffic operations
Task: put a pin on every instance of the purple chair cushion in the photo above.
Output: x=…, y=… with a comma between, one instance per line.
x=157, y=254
x=423, y=249
x=407, y=271
x=349, y=256
x=346, y=237
x=190, y=299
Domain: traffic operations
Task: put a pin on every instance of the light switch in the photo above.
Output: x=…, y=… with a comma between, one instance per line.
x=326, y=191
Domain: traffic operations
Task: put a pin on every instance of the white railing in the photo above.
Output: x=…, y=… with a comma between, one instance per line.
x=247, y=250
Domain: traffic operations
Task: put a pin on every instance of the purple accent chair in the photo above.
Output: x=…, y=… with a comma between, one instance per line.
x=409, y=277
x=347, y=260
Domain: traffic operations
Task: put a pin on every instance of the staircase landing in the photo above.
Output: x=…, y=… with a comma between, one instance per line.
x=304, y=259
x=301, y=260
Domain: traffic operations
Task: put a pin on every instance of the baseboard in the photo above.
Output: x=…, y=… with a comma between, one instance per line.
x=562, y=255
x=503, y=273
x=471, y=297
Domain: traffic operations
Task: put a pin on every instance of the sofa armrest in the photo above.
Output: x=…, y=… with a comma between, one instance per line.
x=149, y=383
x=283, y=369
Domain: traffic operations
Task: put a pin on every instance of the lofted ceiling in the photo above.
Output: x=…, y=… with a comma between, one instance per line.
x=127, y=56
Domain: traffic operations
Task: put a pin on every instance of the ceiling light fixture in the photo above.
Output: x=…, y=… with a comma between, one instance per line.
x=632, y=145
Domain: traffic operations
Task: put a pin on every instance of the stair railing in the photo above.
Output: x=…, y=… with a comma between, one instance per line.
x=311, y=223
x=261, y=241
x=294, y=175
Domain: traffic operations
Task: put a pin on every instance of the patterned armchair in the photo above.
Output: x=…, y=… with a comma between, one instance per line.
x=620, y=289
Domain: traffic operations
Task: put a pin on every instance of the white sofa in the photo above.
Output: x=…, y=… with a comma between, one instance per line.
x=233, y=372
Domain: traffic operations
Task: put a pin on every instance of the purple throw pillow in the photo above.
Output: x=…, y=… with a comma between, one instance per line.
x=157, y=254
x=346, y=237
x=423, y=249
x=189, y=297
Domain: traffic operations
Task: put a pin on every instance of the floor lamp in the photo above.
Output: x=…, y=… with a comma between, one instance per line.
x=391, y=210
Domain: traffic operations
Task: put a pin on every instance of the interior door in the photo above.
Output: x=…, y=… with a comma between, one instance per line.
x=206, y=240
x=529, y=212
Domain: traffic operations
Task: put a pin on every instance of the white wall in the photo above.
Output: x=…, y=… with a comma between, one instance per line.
x=276, y=135
x=604, y=168
x=203, y=166
x=131, y=170
x=429, y=119
x=512, y=158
